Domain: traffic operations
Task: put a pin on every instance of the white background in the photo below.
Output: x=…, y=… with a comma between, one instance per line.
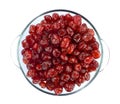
x=16, y=14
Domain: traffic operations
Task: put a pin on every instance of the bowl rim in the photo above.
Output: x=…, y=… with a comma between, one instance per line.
x=99, y=38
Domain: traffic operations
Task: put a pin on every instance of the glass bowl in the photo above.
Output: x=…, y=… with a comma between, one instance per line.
x=26, y=32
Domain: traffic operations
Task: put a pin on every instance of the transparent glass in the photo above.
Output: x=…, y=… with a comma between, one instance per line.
x=26, y=32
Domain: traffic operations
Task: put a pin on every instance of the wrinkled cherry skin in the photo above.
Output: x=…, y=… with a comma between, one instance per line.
x=65, y=42
x=42, y=84
x=88, y=59
x=73, y=60
x=77, y=38
x=77, y=67
x=70, y=48
x=48, y=18
x=56, y=53
x=93, y=66
x=77, y=20
x=60, y=52
x=58, y=90
x=75, y=75
x=55, y=39
x=55, y=16
x=96, y=54
x=70, y=31
x=59, y=68
x=69, y=86
x=65, y=77
x=68, y=69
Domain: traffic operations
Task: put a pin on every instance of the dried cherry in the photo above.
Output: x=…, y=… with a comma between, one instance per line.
x=60, y=52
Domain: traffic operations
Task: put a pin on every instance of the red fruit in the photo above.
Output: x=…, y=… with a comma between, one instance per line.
x=88, y=59
x=50, y=85
x=56, y=53
x=25, y=44
x=55, y=39
x=27, y=54
x=81, y=46
x=56, y=61
x=88, y=48
x=62, y=83
x=46, y=65
x=42, y=22
x=96, y=54
x=55, y=16
x=30, y=65
x=35, y=46
x=63, y=62
x=95, y=45
x=83, y=71
x=35, y=55
x=31, y=73
x=65, y=77
x=38, y=67
x=64, y=57
x=73, y=60
x=82, y=79
x=87, y=37
x=65, y=42
x=56, y=26
x=62, y=32
x=68, y=17
x=51, y=73
x=79, y=81
x=48, y=49
x=68, y=68
x=76, y=52
x=84, y=65
x=55, y=80
x=60, y=52
x=32, y=29
x=70, y=31
x=69, y=86
x=93, y=65
x=35, y=80
x=44, y=43
x=39, y=29
x=77, y=20
x=62, y=17
x=58, y=90
x=47, y=27
x=23, y=51
x=75, y=75
x=48, y=18
x=65, y=23
x=72, y=25
x=77, y=67
x=25, y=60
x=42, y=75
x=59, y=68
x=77, y=38
x=87, y=76
x=90, y=31
x=83, y=28
x=42, y=84
x=62, y=24
x=93, y=39
x=39, y=50
x=30, y=40
x=45, y=57
x=70, y=48
x=83, y=55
